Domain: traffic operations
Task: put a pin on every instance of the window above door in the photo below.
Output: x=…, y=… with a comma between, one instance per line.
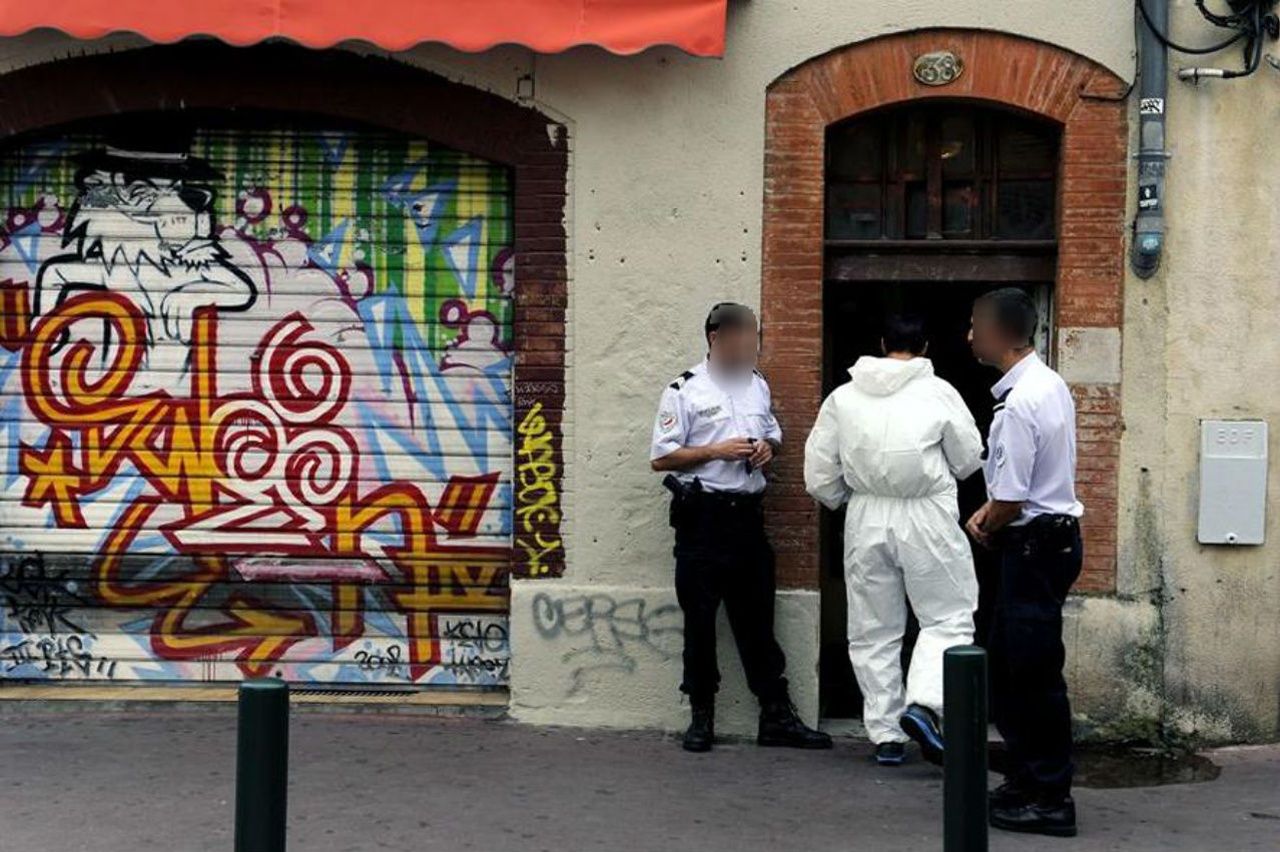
x=956, y=172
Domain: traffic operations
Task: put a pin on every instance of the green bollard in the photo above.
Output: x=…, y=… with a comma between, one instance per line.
x=262, y=766
x=964, y=722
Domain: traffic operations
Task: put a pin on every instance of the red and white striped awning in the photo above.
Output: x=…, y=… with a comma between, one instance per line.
x=547, y=26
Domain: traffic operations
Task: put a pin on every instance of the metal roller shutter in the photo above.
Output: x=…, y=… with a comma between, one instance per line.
x=255, y=404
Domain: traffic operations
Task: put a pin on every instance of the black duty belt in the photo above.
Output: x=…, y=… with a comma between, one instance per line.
x=691, y=502
x=1042, y=525
x=731, y=499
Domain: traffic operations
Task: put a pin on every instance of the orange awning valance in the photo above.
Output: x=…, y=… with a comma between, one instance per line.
x=548, y=26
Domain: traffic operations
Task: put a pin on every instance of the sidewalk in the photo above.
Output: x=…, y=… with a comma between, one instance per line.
x=85, y=779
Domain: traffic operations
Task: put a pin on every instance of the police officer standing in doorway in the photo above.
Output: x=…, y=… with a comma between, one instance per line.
x=715, y=435
x=1032, y=517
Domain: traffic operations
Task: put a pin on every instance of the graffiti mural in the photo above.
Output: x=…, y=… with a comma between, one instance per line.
x=255, y=392
x=537, y=498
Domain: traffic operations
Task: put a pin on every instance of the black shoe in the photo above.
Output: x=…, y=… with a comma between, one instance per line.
x=701, y=733
x=891, y=754
x=780, y=726
x=921, y=724
x=1055, y=818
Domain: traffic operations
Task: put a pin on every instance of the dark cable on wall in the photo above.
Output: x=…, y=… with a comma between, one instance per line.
x=1172, y=45
x=1253, y=22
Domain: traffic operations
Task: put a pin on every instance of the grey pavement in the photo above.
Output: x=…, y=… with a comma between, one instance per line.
x=89, y=779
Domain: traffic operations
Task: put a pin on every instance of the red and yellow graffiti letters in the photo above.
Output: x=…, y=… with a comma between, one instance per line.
x=263, y=471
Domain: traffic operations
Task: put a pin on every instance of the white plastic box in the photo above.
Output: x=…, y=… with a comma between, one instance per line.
x=1233, y=481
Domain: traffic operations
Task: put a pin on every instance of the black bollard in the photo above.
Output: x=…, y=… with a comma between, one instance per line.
x=964, y=722
x=262, y=766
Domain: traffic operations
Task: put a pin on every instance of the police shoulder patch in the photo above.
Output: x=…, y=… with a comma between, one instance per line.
x=679, y=383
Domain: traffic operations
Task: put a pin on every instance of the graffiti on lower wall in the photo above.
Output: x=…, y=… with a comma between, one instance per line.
x=603, y=634
x=255, y=391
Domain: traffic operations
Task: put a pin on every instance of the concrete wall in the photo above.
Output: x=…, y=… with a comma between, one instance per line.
x=1212, y=313
x=665, y=217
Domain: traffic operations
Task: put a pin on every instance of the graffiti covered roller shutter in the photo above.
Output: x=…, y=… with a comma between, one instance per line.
x=256, y=407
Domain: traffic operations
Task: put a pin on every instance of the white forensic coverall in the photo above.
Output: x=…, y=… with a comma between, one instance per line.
x=890, y=443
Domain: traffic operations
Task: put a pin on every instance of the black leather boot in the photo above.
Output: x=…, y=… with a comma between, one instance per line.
x=780, y=726
x=701, y=733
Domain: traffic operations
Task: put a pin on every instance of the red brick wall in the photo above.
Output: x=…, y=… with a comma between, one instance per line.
x=1085, y=99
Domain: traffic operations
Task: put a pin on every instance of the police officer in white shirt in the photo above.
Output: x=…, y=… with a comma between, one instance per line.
x=1032, y=517
x=715, y=434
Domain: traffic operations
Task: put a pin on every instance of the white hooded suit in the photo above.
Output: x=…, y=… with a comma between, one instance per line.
x=891, y=443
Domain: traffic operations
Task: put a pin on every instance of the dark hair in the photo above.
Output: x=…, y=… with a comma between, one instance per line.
x=904, y=333
x=1013, y=311
x=728, y=315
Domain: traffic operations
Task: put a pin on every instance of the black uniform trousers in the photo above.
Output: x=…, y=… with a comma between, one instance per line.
x=1039, y=563
x=722, y=554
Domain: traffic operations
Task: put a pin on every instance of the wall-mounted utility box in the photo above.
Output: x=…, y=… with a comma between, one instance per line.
x=1233, y=481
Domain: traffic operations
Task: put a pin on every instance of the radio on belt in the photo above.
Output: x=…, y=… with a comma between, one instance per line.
x=1233, y=481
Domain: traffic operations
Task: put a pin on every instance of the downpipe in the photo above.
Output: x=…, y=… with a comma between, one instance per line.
x=1148, y=225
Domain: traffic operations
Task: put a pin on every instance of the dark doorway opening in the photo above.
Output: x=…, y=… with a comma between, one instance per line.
x=928, y=208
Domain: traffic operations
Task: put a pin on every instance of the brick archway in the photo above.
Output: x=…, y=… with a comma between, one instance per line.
x=1088, y=102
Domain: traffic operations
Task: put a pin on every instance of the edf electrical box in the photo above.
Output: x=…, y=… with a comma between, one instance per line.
x=1233, y=481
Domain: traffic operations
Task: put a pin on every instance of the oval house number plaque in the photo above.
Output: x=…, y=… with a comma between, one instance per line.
x=938, y=68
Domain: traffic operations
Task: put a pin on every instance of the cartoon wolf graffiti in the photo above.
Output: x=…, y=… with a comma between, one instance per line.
x=142, y=227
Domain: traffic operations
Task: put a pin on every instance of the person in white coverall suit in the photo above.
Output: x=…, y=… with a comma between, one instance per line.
x=891, y=443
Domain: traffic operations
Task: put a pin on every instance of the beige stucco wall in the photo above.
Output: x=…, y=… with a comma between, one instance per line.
x=676, y=229
x=665, y=213
x=1213, y=313
x=679, y=227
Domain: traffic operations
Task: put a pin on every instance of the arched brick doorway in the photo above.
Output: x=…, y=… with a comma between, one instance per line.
x=1088, y=103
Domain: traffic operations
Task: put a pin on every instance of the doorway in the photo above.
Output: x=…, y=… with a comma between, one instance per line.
x=928, y=208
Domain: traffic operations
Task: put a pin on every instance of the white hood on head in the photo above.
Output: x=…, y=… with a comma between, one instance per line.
x=887, y=376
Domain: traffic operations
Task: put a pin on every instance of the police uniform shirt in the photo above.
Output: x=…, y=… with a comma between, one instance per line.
x=1031, y=452
x=699, y=409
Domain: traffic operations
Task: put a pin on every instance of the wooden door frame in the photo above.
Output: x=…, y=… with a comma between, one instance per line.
x=1086, y=100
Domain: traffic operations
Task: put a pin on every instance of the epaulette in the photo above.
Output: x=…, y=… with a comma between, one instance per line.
x=679, y=383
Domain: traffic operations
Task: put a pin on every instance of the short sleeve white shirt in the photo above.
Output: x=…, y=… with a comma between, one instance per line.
x=699, y=409
x=1031, y=451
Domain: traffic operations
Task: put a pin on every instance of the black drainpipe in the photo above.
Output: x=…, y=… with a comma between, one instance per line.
x=1148, y=226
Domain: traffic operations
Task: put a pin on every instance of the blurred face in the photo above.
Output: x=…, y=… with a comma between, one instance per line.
x=734, y=350
x=987, y=340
